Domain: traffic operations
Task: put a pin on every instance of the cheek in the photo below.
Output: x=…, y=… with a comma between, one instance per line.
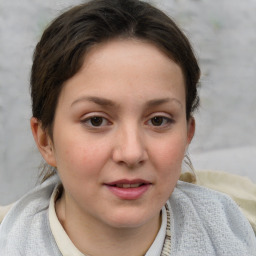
x=171, y=152
x=80, y=158
x=168, y=162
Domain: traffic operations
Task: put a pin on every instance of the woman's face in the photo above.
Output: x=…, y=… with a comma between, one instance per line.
x=120, y=134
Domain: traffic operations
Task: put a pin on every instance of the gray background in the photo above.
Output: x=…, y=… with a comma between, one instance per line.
x=223, y=34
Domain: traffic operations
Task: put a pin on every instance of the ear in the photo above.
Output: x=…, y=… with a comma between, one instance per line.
x=43, y=141
x=191, y=130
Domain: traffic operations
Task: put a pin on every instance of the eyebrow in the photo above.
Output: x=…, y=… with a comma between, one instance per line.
x=97, y=100
x=157, y=102
x=108, y=103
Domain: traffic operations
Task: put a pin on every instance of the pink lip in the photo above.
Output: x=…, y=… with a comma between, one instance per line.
x=126, y=181
x=129, y=193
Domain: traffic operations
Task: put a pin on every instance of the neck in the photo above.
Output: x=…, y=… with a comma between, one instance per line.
x=94, y=239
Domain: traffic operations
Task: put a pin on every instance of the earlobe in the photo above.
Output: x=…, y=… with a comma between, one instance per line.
x=43, y=141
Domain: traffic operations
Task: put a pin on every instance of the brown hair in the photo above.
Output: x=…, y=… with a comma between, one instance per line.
x=63, y=46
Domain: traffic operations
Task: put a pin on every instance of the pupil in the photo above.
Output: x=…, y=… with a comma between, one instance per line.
x=96, y=121
x=157, y=120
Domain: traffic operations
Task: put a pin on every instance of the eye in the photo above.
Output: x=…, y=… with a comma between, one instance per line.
x=157, y=120
x=95, y=121
x=160, y=121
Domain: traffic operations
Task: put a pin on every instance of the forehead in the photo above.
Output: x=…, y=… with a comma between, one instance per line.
x=127, y=66
x=126, y=51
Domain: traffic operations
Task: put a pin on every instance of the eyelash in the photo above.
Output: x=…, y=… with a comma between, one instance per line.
x=88, y=121
x=103, y=122
x=166, y=121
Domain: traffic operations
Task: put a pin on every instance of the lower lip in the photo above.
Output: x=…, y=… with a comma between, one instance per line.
x=129, y=193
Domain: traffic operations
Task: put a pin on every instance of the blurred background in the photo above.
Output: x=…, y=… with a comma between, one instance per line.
x=223, y=35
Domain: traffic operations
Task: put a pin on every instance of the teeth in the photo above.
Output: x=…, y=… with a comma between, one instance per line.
x=135, y=185
x=128, y=185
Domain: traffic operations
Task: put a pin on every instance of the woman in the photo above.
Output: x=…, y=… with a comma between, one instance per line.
x=114, y=87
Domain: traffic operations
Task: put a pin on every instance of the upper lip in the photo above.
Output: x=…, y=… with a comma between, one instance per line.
x=127, y=181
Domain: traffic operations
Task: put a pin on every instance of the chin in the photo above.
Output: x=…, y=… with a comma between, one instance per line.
x=133, y=220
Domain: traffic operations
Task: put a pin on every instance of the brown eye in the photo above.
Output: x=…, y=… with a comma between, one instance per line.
x=96, y=121
x=160, y=121
x=157, y=120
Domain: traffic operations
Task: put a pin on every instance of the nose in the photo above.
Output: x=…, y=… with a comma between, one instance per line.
x=130, y=149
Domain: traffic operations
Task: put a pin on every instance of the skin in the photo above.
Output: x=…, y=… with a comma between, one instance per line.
x=137, y=95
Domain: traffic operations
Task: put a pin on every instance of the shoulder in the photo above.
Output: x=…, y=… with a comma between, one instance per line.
x=26, y=223
x=31, y=203
x=241, y=189
x=197, y=194
x=210, y=220
x=205, y=202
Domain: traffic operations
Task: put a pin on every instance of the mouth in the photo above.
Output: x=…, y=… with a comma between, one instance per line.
x=129, y=189
x=127, y=185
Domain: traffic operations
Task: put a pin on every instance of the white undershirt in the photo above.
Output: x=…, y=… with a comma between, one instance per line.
x=67, y=248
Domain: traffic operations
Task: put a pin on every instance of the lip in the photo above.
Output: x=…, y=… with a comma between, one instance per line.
x=128, y=193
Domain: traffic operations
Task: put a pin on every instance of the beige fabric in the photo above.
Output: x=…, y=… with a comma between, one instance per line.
x=4, y=210
x=241, y=189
